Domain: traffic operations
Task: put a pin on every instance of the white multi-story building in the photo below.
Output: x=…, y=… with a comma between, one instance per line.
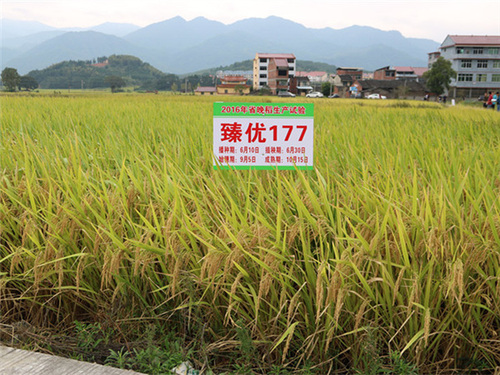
x=273, y=70
x=476, y=59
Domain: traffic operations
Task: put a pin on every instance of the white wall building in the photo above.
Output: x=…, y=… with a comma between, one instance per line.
x=261, y=72
x=476, y=59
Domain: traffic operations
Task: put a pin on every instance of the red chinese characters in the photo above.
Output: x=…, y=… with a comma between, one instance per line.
x=254, y=132
x=231, y=132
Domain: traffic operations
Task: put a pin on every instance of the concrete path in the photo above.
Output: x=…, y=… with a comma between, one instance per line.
x=23, y=362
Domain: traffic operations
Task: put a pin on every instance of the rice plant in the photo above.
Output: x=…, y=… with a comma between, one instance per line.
x=110, y=211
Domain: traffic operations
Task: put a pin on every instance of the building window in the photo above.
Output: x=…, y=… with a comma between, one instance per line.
x=291, y=68
x=290, y=61
x=477, y=51
x=466, y=64
x=282, y=73
x=464, y=77
x=482, y=63
x=496, y=64
x=389, y=73
x=493, y=51
x=263, y=76
x=262, y=83
x=263, y=68
x=495, y=77
x=263, y=60
x=481, y=77
x=459, y=50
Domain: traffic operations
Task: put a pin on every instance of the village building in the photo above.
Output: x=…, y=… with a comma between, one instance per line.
x=314, y=77
x=392, y=89
x=476, y=59
x=355, y=73
x=233, y=85
x=273, y=70
x=432, y=58
x=400, y=72
x=205, y=90
x=300, y=86
x=344, y=79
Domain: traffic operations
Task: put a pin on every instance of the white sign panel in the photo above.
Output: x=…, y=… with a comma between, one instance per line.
x=263, y=135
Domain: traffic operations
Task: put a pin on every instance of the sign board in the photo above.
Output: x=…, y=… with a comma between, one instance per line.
x=263, y=135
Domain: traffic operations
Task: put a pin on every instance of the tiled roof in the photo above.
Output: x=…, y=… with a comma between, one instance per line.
x=310, y=74
x=234, y=79
x=281, y=62
x=276, y=55
x=403, y=69
x=348, y=68
x=232, y=85
x=346, y=77
x=476, y=39
x=385, y=68
x=205, y=89
x=420, y=71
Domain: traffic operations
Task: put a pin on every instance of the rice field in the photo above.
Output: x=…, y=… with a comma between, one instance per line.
x=111, y=212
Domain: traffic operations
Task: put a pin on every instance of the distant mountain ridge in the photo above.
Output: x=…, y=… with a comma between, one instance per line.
x=179, y=46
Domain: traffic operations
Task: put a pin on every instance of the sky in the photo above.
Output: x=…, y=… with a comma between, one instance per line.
x=417, y=19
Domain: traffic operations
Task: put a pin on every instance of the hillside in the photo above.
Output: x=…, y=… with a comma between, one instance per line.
x=77, y=73
x=302, y=65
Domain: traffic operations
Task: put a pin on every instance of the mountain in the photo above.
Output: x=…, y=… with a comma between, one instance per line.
x=15, y=28
x=116, y=29
x=176, y=34
x=179, y=46
x=25, y=42
x=73, y=45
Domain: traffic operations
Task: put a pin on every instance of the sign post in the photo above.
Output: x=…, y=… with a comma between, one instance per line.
x=263, y=136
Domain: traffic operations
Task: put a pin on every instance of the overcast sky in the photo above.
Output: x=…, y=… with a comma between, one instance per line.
x=418, y=19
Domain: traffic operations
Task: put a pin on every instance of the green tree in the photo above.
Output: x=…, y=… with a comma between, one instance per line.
x=28, y=83
x=439, y=76
x=115, y=82
x=10, y=79
x=326, y=88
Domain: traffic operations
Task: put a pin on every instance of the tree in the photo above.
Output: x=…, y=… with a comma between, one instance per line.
x=10, y=79
x=115, y=82
x=326, y=88
x=439, y=76
x=28, y=82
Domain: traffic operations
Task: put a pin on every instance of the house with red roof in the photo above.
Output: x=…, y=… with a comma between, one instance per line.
x=409, y=73
x=274, y=70
x=101, y=64
x=205, y=90
x=476, y=59
x=233, y=85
